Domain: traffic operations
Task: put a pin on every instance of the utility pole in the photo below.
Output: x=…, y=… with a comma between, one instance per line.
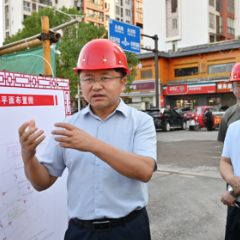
x=155, y=50
x=46, y=46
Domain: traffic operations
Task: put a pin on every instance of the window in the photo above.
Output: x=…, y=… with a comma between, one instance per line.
x=174, y=6
x=139, y=5
x=40, y=7
x=34, y=7
x=139, y=16
x=118, y=10
x=211, y=3
x=211, y=20
x=97, y=15
x=220, y=68
x=7, y=34
x=220, y=24
x=128, y=13
x=212, y=102
x=127, y=21
x=146, y=74
x=230, y=6
x=121, y=12
x=211, y=39
x=25, y=16
x=56, y=1
x=175, y=46
x=117, y=1
x=107, y=18
x=217, y=24
x=121, y=1
x=6, y=1
x=230, y=23
x=174, y=23
x=26, y=6
x=218, y=5
x=6, y=17
x=182, y=72
x=127, y=2
x=107, y=5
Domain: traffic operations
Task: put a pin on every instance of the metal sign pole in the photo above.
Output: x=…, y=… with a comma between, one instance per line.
x=155, y=50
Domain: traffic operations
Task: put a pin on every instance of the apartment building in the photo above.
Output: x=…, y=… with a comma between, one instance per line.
x=185, y=23
x=129, y=11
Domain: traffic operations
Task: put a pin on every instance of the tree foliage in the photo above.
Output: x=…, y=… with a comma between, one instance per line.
x=73, y=39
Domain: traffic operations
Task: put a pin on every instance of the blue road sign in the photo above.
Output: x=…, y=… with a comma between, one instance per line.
x=126, y=35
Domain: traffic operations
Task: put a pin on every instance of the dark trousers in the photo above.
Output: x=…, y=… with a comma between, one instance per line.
x=137, y=229
x=233, y=224
x=209, y=125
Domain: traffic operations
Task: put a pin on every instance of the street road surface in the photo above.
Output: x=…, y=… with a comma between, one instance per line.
x=185, y=191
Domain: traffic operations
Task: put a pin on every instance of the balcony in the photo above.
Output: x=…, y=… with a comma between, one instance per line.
x=96, y=17
x=46, y=2
x=99, y=6
x=28, y=9
x=231, y=31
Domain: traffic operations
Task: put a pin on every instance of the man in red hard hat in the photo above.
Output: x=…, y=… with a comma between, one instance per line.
x=229, y=164
x=108, y=148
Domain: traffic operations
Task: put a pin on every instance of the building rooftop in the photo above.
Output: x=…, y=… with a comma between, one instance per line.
x=199, y=49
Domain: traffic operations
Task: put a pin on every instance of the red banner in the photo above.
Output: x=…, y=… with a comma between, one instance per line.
x=21, y=100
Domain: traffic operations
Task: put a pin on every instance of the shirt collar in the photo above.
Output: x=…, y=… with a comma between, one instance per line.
x=122, y=107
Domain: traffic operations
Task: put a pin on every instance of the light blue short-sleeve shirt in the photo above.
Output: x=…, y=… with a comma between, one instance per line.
x=96, y=190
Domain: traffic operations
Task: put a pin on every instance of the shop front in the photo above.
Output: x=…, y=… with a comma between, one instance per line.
x=142, y=95
x=225, y=89
x=191, y=95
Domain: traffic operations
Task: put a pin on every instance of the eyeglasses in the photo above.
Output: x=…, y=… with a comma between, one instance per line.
x=237, y=86
x=102, y=80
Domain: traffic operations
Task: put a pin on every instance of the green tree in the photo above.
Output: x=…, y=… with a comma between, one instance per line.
x=73, y=39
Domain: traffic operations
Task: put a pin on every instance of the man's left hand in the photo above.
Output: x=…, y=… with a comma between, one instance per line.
x=74, y=137
x=228, y=199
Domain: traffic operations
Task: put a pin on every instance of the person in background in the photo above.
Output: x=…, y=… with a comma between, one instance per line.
x=209, y=120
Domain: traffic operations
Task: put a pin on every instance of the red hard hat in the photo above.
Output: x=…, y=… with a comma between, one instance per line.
x=102, y=54
x=235, y=73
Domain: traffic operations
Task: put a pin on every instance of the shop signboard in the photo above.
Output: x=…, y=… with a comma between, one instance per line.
x=224, y=87
x=187, y=89
x=143, y=86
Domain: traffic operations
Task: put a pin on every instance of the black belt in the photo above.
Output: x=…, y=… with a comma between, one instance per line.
x=106, y=224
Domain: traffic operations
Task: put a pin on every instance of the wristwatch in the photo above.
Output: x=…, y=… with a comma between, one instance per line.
x=232, y=192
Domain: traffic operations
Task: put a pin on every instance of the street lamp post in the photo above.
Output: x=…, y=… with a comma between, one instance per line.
x=76, y=16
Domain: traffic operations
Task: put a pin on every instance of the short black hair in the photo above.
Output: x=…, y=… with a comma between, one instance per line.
x=121, y=70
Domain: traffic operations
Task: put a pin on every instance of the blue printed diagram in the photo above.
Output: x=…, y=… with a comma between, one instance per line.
x=21, y=207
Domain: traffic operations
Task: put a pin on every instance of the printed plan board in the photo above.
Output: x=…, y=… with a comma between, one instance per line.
x=26, y=214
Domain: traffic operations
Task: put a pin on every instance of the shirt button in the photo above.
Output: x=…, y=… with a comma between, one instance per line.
x=102, y=122
x=98, y=164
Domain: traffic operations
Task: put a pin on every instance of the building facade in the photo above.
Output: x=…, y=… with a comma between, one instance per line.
x=129, y=11
x=185, y=23
x=197, y=76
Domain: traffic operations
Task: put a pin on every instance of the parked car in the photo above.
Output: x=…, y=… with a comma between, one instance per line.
x=74, y=110
x=199, y=115
x=166, y=119
x=183, y=110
